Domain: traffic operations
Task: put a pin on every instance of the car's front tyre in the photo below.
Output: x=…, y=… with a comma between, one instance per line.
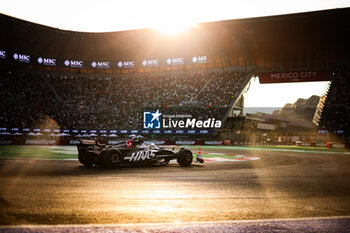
x=184, y=158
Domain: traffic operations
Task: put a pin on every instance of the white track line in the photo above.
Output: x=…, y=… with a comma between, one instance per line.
x=177, y=223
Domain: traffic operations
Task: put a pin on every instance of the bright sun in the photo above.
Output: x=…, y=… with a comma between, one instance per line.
x=173, y=28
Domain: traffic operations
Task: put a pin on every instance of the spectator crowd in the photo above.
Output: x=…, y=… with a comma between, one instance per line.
x=95, y=102
x=335, y=117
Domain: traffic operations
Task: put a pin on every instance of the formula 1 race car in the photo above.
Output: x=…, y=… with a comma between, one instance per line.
x=131, y=152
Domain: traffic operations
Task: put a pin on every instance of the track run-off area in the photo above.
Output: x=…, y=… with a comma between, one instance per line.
x=46, y=185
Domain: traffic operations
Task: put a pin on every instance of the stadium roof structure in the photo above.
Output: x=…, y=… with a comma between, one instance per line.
x=303, y=41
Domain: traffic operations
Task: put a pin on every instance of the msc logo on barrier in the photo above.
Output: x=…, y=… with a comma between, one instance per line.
x=175, y=61
x=21, y=57
x=72, y=63
x=199, y=59
x=100, y=64
x=151, y=62
x=2, y=54
x=151, y=120
x=126, y=64
x=47, y=61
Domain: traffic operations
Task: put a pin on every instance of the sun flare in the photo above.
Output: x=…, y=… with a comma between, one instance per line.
x=174, y=28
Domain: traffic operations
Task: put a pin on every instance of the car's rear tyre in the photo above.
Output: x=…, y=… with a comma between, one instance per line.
x=184, y=158
x=111, y=159
x=85, y=159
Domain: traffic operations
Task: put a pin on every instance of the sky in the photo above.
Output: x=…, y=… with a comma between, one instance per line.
x=113, y=15
x=171, y=17
x=270, y=97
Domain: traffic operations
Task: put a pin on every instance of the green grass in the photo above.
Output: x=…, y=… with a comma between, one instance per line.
x=308, y=148
x=70, y=152
x=277, y=148
x=39, y=152
x=62, y=152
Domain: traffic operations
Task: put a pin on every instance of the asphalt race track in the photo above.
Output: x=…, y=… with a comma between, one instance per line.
x=279, y=185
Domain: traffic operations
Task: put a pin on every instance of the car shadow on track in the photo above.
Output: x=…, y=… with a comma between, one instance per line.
x=33, y=167
x=138, y=168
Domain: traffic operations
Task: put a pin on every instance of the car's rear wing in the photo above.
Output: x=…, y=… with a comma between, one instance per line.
x=91, y=143
x=88, y=142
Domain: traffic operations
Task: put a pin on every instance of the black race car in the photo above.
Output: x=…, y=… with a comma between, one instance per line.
x=129, y=152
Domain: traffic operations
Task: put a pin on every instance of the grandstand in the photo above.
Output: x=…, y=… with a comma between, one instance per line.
x=335, y=114
x=55, y=81
x=105, y=103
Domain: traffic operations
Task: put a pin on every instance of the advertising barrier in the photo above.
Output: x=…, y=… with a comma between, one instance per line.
x=213, y=142
x=295, y=76
x=3, y=54
x=185, y=142
x=40, y=142
x=101, y=63
x=74, y=142
x=157, y=142
x=113, y=132
x=6, y=142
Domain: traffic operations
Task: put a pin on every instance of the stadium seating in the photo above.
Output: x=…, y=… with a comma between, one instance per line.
x=335, y=116
x=95, y=102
